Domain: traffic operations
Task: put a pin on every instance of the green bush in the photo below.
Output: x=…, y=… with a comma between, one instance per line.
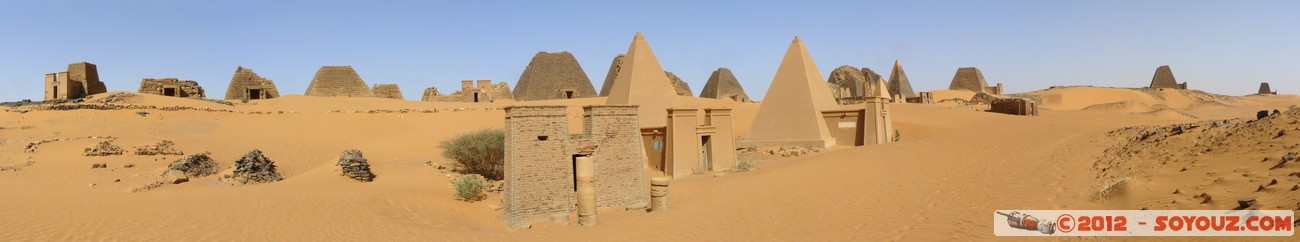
x=469, y=187
x=897, y=136
x=743, y=166
x=480, y=152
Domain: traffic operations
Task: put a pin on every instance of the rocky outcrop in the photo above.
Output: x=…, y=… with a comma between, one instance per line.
x=162, y=148
x=104, y=148
x=355, y=166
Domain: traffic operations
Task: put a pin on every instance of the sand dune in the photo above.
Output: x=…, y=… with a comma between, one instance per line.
x=952, y=168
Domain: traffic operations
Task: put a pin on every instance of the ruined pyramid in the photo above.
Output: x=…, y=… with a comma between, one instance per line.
x=554, y=75
x=609, y=76
x=679, y=86
x=723, y=85
x=338, y=81
x=791, y=113
x=388, y=91
x=968, y=78
x=847, y=82
x=641, y=81
x=1164, y=78
x=247, y=84
x=898, y=83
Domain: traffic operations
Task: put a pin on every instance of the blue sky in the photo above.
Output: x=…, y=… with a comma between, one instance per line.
x=1225, y=47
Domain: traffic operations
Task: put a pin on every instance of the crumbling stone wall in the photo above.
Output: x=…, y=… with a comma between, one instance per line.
x=388, y=91
x=338, y=81
x=553, y=76
x=171, y=87
x=247, y=84
x=679, y=86
x=1014, y=106
x=539, y=179
x=484, y=92
x=723, y=85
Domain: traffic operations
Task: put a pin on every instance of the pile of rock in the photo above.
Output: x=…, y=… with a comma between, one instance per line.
x=793, y=151
x=162, y=148
x=104, y=148
x=355, y=166
x=196, y=165
x=255, y=168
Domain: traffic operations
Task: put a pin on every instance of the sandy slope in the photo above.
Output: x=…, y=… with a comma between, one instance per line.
x=954, y=167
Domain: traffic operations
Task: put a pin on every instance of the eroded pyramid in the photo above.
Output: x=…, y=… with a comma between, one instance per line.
x=388, y=91
x=791, y=113
x=898, y=83
x=723, y=85
x=609, y=76
x=338, y=81
x=679, y=86
x=247, y=84
x=1164, y=78
x=553, y=75
x=968, y=78
x=641, y=81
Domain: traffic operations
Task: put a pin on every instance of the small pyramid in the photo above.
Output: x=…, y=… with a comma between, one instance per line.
x=609, y=76
x=791, y=112
x=1264, y=89
x=723, y=85
x=898, y=83
x=247, y=84
x=968, y=78
x=338, y=81
x=1164, y=78
x=641, y=81
x=554, y=75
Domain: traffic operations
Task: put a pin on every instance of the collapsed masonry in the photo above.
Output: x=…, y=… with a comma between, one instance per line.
x=540, y=153
x=553, y=76
x=81, y=80
x=338, y=81
x=1014, y=106
x=922, y=97
x=171, y=87
x=246, y=84
x=971, y=79
x=679, y=86
x=723, y=85
x=388, y=91
x=485, y=91
x=849, y=85
x=1164, y=78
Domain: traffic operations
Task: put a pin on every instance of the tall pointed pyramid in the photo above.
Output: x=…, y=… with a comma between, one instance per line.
x=1164, y=78
x=791, y=113
x=338, y=81
x=723, y=85
x=641, y=81
x=898, y=83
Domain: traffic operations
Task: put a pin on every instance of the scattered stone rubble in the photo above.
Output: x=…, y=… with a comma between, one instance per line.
x=196, y=165
x=162, y=148
x=355, y=166
x=104, y=148
x=254, y=168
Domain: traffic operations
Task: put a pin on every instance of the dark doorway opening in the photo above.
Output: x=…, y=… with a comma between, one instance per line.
x=254, y=94
x=568, y=94
x=56, y=92
x=169, y=91
x=476, y=97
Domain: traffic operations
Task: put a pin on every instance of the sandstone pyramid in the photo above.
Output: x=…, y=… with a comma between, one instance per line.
x=723, y=85
x=1164, y=78
x=968, y=78
x=1264, y=89
x=388, y=91
x=338, y=81
x=553, y=76
x=679, y=86
x=247, y=83
x=898, y=83
x=609, y=76
x=791, y=113
x=641, y=81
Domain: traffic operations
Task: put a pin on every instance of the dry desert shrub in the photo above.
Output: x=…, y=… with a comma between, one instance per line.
x=480, y=152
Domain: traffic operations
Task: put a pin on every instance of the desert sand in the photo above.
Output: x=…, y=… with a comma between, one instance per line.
x=953, y=166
